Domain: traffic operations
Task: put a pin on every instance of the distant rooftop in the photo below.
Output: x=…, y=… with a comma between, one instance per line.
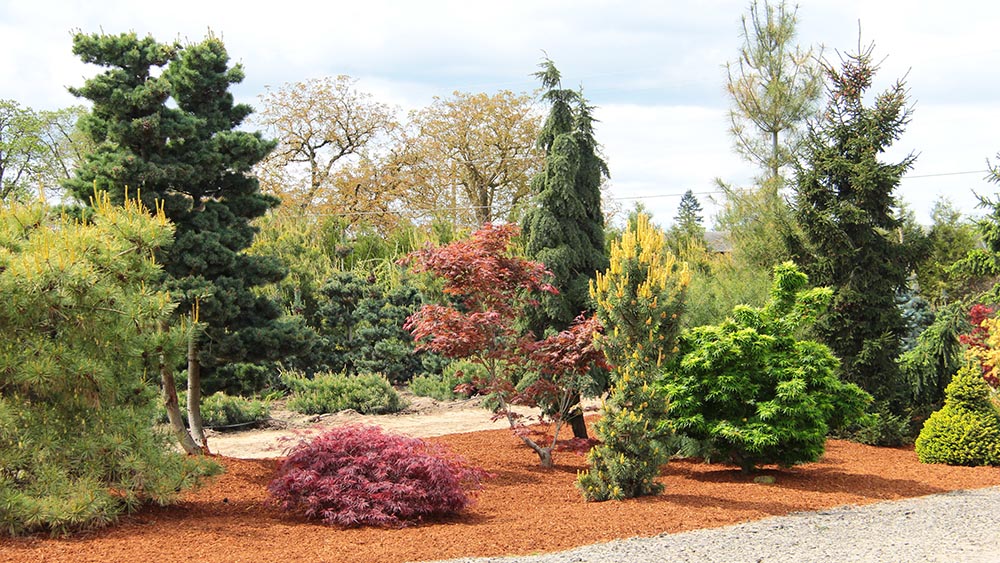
x=718, y=241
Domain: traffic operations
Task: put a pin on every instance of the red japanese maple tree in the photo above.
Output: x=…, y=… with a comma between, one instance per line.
x=488, y=289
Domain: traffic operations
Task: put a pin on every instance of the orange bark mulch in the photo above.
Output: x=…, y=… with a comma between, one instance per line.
x=523, y=509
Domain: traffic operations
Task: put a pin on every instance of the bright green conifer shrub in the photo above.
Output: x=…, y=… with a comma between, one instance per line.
x=966, y=431
x=81, y=334
x=751, y=391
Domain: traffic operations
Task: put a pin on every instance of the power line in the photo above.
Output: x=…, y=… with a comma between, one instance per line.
x=947, y=174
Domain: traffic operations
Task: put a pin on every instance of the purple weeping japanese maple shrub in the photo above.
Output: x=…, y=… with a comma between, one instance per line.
x=359, y=476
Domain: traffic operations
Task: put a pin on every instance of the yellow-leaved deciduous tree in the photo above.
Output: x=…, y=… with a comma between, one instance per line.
x=639, y=301
x=471, y=157
x=327, y=130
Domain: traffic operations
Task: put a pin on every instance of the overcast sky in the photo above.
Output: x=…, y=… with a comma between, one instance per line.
x=654, y=69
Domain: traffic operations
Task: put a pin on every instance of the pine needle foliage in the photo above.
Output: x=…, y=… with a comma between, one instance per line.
x=80, y=330
x=639, y=301
x=165, y=124
x=754, y=393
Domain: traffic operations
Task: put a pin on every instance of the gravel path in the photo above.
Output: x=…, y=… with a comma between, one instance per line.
x=961, y=526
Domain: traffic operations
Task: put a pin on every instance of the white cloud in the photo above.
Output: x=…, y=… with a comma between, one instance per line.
x=654, y=68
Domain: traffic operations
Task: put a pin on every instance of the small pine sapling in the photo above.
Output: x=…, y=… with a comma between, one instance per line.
x=359, y=476
x=639, y=301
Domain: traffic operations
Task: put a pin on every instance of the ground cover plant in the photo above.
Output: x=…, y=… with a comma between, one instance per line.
x=360, y=476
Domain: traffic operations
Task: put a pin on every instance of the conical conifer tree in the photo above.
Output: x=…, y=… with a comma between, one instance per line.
x=845, y=205
x=564, y=227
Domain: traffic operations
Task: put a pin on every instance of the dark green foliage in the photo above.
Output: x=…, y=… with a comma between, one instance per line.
x=753, y=392
x=845, y=205
x=166, y=126
x=966, y=431
x=952, y=236
x=363, y=325
x=80, y=327
x=564, y=227
x=688, y=227
x=219, y=410
x=880, y=427
x=937, y=354
x=331, y=392
x=984, y=262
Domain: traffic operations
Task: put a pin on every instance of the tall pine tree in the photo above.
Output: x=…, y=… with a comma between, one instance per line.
x=846, y=207
x=564, y=227
x=165, y=126
x=687, y=227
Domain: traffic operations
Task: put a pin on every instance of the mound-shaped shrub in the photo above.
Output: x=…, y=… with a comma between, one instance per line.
x=220, y=410
x=966, y=431
x=332, y=392
x=751, y=392
x=360, y=476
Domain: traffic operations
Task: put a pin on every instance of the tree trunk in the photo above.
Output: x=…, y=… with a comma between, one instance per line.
x=174, y=410
x=775, y=164
x=194, y=392
x=544, y=454
x=575, y=418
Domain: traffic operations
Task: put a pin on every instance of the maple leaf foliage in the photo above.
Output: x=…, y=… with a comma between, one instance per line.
x=489, y=288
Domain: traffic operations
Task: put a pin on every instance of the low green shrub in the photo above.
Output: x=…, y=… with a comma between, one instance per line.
x=331, y=392
x=442, y=386
x=219, y=410
x=752, y=391
x=966, y=431
x=439, y=387
x=880, y=427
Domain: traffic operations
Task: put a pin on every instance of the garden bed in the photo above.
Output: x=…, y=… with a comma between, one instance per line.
x=523, y=509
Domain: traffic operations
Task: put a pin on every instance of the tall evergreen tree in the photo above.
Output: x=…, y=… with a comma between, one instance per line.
x=846, y=208
x=564, y=227
x=165, y=125
x=688, y=227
